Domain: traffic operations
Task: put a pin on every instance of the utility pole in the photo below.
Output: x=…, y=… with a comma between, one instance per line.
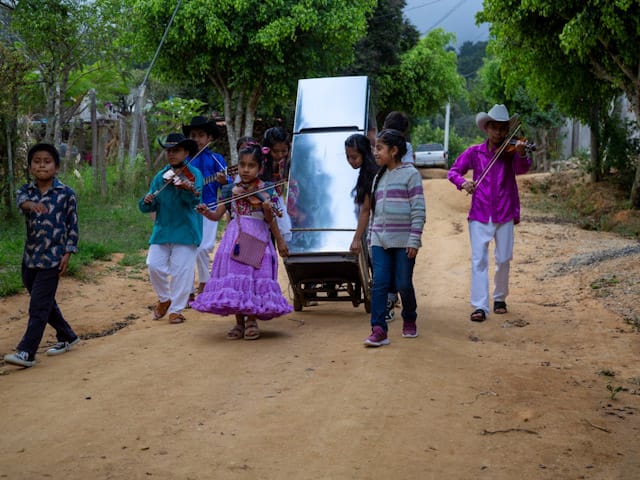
x=446, y=128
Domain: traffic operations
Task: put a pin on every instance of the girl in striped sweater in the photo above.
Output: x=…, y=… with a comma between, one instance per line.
x=398, y=216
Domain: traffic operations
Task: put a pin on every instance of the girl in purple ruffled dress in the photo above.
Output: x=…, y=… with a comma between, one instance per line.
x=250, y=293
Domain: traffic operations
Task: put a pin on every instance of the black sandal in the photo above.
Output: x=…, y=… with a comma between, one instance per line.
x=499, y=307
x=478, y=315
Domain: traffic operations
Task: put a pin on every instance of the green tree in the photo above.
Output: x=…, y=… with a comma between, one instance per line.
x=389, y=35
x=426, y=78
x=13, y=69
x=71, y=35
x=250, y=50
x=578, y=39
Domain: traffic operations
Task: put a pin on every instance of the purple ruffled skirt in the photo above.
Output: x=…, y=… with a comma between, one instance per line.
x=236, y=288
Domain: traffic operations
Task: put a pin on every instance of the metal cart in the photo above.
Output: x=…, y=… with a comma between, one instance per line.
x=323, y=215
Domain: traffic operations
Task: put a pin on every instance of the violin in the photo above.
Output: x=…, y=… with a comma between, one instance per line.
x=511, y=145
x=182, y=178
x=257, y=197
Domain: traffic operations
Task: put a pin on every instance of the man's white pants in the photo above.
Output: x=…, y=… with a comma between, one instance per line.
x=171, y=270
x=480, y=235
x=203, y=254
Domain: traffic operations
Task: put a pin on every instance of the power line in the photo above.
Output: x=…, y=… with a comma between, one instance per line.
x=446, y=15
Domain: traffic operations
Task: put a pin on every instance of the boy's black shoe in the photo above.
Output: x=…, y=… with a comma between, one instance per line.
x=62, y=347
x=20, y=358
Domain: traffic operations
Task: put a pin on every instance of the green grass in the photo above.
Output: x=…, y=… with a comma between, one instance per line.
x=107, y=226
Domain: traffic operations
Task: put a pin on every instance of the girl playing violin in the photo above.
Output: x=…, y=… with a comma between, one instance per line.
x=275, y=143
x=495, y=206
x=177, y=228
x=250, y=292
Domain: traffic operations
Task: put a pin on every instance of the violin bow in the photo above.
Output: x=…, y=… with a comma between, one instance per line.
x=498, y=153
x=166, y=184
x=246, y=195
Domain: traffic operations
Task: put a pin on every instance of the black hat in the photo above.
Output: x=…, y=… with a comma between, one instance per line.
x=179, y=140
x=202, y=123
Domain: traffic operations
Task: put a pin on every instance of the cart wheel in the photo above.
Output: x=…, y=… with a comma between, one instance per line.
x=356, y=293
x=297, y=303
x=367, y=305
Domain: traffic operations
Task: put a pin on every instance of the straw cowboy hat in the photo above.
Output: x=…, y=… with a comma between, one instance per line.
x=179, y=140
x=202, y=123
x=498, y=113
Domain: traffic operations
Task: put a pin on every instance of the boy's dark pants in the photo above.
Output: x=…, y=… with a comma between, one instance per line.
x=42, y=285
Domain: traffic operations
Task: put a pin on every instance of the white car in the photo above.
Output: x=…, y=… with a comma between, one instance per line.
x=431, y=155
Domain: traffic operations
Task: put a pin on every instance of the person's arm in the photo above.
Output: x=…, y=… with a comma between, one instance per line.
x=71, y=223
x=521, y=161
x=418, y=214
x=213, y=215
x=459, y=169
x=363, y=222
x=462, y=165
x=283, y=248
x=148, y=203
x=27, y=205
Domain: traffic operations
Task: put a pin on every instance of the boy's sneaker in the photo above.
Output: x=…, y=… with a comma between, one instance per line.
x=409, y=329
x=20, y=358
x=62, y=347
x=377, y=338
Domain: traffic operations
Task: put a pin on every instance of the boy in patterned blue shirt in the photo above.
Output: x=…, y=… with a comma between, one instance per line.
x=51, y=217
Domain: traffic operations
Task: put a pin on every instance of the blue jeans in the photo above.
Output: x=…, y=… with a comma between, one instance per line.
x=42, y=285
x=391, y=266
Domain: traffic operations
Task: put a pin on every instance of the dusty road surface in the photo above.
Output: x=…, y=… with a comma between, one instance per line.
x=550, y=390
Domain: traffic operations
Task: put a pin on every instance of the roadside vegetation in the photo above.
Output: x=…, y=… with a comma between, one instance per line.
x=107, y=226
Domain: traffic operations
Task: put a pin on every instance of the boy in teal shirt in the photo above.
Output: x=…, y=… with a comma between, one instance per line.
x=177, y=230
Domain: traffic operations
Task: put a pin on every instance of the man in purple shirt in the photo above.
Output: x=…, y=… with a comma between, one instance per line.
x=495, y=206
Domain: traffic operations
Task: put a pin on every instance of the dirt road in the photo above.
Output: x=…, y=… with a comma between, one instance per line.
x=524, y=395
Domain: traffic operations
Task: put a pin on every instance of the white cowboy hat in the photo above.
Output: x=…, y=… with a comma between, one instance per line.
x=498, y=113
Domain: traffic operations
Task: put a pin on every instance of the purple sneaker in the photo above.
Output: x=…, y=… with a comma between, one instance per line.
x=377, y=338
x=409, y=329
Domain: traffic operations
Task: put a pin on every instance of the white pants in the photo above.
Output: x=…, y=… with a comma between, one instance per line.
x=203, y=254
x=178, y=262
x=480, y=235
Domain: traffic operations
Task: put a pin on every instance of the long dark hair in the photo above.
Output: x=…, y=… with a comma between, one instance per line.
x=272, y=136
x=391, y=138
x=368, y=168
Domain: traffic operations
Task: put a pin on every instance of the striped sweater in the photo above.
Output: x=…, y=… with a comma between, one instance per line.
x=399, y=214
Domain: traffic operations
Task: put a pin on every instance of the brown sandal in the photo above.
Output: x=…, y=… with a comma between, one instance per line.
x=236, y=333
x=176, y=318
x=478, y=315
x=251, y=331
x=160, y=310
x=499, y=307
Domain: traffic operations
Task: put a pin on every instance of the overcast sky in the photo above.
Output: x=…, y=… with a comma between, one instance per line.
x=456, y=16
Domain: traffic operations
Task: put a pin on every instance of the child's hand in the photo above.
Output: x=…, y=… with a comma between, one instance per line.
x=221, y=178
x=411, y=252
x=202, y=208
x=148, y=198
x=356, y=246
x=64, y=263
x=469, y=186
x=36, y=207
x=283, y=248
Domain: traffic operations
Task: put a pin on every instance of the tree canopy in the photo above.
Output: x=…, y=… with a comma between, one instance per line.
x=426, y=78
x=576, y=37
x=251, y=51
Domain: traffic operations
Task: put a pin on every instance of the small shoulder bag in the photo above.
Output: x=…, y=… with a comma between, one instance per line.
x=247, y=249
